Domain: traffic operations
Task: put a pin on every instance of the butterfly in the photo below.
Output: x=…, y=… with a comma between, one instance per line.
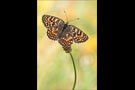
x=65, y=34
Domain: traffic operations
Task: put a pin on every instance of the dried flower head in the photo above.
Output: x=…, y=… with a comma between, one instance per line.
x=67, y=49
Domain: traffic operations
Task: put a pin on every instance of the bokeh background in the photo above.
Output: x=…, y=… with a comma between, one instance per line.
x=54, y=66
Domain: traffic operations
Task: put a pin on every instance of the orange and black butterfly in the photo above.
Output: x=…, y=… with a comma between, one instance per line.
x=57, y=29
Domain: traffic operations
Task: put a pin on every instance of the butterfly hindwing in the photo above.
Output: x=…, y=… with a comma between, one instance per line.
x=52, y=33
x=66, y=39
x=78, y=35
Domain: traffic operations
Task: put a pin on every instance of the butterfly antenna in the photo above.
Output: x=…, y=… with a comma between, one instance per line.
x=74, y=19
x=66, y=15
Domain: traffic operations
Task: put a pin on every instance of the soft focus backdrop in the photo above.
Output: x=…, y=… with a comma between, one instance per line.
x=55, y=69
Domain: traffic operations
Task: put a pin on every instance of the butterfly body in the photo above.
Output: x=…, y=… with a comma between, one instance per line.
x=62, y=30
x=64, y=33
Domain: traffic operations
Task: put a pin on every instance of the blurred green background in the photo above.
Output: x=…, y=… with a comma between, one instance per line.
x=54, y=66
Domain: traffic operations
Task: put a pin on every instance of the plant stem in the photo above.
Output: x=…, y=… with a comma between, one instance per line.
x=74, y=71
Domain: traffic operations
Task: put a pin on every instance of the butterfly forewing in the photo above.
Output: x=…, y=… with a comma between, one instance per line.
x=53, y=25
x=78, y=35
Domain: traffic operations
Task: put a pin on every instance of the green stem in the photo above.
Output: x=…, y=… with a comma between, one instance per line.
x=74, y=71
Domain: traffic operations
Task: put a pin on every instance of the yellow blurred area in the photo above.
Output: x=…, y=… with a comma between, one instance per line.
x=42, y=5
x=54, y=66
x=91, y=44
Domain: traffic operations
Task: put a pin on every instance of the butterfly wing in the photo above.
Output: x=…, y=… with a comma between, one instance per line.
x=53, y=25
x=52, y=33
x=78, y=35
x=66, y=38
